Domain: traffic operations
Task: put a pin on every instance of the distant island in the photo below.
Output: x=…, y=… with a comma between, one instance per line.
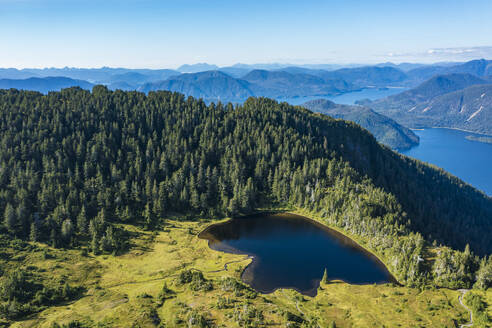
x=484, y=139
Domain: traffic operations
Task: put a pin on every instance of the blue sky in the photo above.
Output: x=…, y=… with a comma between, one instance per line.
x=167, y=33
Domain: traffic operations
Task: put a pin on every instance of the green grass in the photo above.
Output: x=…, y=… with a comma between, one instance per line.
x=124, y=291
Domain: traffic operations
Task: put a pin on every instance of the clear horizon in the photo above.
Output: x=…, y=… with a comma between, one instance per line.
x=284, y=64
x=166, y=34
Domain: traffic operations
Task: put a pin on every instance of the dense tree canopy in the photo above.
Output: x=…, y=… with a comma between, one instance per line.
x=73, y=162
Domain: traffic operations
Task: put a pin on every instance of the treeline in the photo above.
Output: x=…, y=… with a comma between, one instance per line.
x=73, y=163
x=22, y=293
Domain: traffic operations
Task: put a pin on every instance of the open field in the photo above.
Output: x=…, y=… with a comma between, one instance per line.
x=124, y=291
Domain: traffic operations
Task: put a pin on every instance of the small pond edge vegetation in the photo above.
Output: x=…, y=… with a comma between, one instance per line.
x=319, y=223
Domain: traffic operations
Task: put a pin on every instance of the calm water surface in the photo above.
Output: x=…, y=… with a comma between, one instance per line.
x=292, y=252
x=469, y=160
x=348, y=98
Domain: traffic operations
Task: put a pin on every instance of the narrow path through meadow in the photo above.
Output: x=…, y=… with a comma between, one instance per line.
x=463, y=293
x=231, y=262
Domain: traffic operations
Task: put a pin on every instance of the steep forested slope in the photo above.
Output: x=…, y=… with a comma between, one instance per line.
x=74, y=162
x=386, y=130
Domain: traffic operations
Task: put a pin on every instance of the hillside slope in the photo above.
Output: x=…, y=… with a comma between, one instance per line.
x=163, y=144
x=217, y=85
x=284, y=84
x=386, y=130
x=209, y=85
x=368, y=76
x=478, y=67
x=455, y=100
x=435, y=86
x=468, y=109
x=87, y=172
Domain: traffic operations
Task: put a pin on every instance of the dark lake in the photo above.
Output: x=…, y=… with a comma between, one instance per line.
x=291, y=251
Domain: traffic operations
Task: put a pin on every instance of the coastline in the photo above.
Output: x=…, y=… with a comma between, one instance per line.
x=450, y=128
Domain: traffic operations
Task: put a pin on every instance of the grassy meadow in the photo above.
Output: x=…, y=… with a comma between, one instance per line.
x=145, y=288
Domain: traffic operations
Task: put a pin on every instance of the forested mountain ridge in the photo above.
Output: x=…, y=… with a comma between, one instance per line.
x=435, y=86
x=383, y=75
x=74, y=162
x=284, y=84
x=368, y=76
x=386, y=130
x=468, y=109
x=478, y=67
x=209, y=85
x=219, y=86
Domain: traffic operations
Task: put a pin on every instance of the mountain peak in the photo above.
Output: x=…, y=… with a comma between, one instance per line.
x=195, y=68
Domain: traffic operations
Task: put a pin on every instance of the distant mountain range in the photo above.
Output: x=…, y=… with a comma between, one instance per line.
x=435, y=86
x=369, y=76
x=457, y=100
x=217, y=85
x=386, y=130
x=266, y=79
x=210, y=85
x=444, y=94
x=479, y=67
x=290, y=84
x=104, y=75
x=44, y=85
x=195, y=68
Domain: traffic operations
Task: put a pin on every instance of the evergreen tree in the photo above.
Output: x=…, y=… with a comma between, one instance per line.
x=34, y=233
x=67, y=231
x=108, y=157
x=54, y=238
x=10, y=219
x=95, y=244
x=82, y=222
x=484, y=274
x=149, y=217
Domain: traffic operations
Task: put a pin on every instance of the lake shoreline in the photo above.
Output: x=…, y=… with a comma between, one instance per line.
x=351, y=237
x=452, y=150
x=450, y=128
x=341, y=236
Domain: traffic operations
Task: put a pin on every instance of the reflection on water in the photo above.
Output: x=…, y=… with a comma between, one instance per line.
x=292, y=252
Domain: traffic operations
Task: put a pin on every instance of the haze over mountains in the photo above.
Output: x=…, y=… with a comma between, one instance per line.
x=44, y=85
x=457, y=100
x=456, y=95
x=268, y=79
x=272, y=80
x=386, y=130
